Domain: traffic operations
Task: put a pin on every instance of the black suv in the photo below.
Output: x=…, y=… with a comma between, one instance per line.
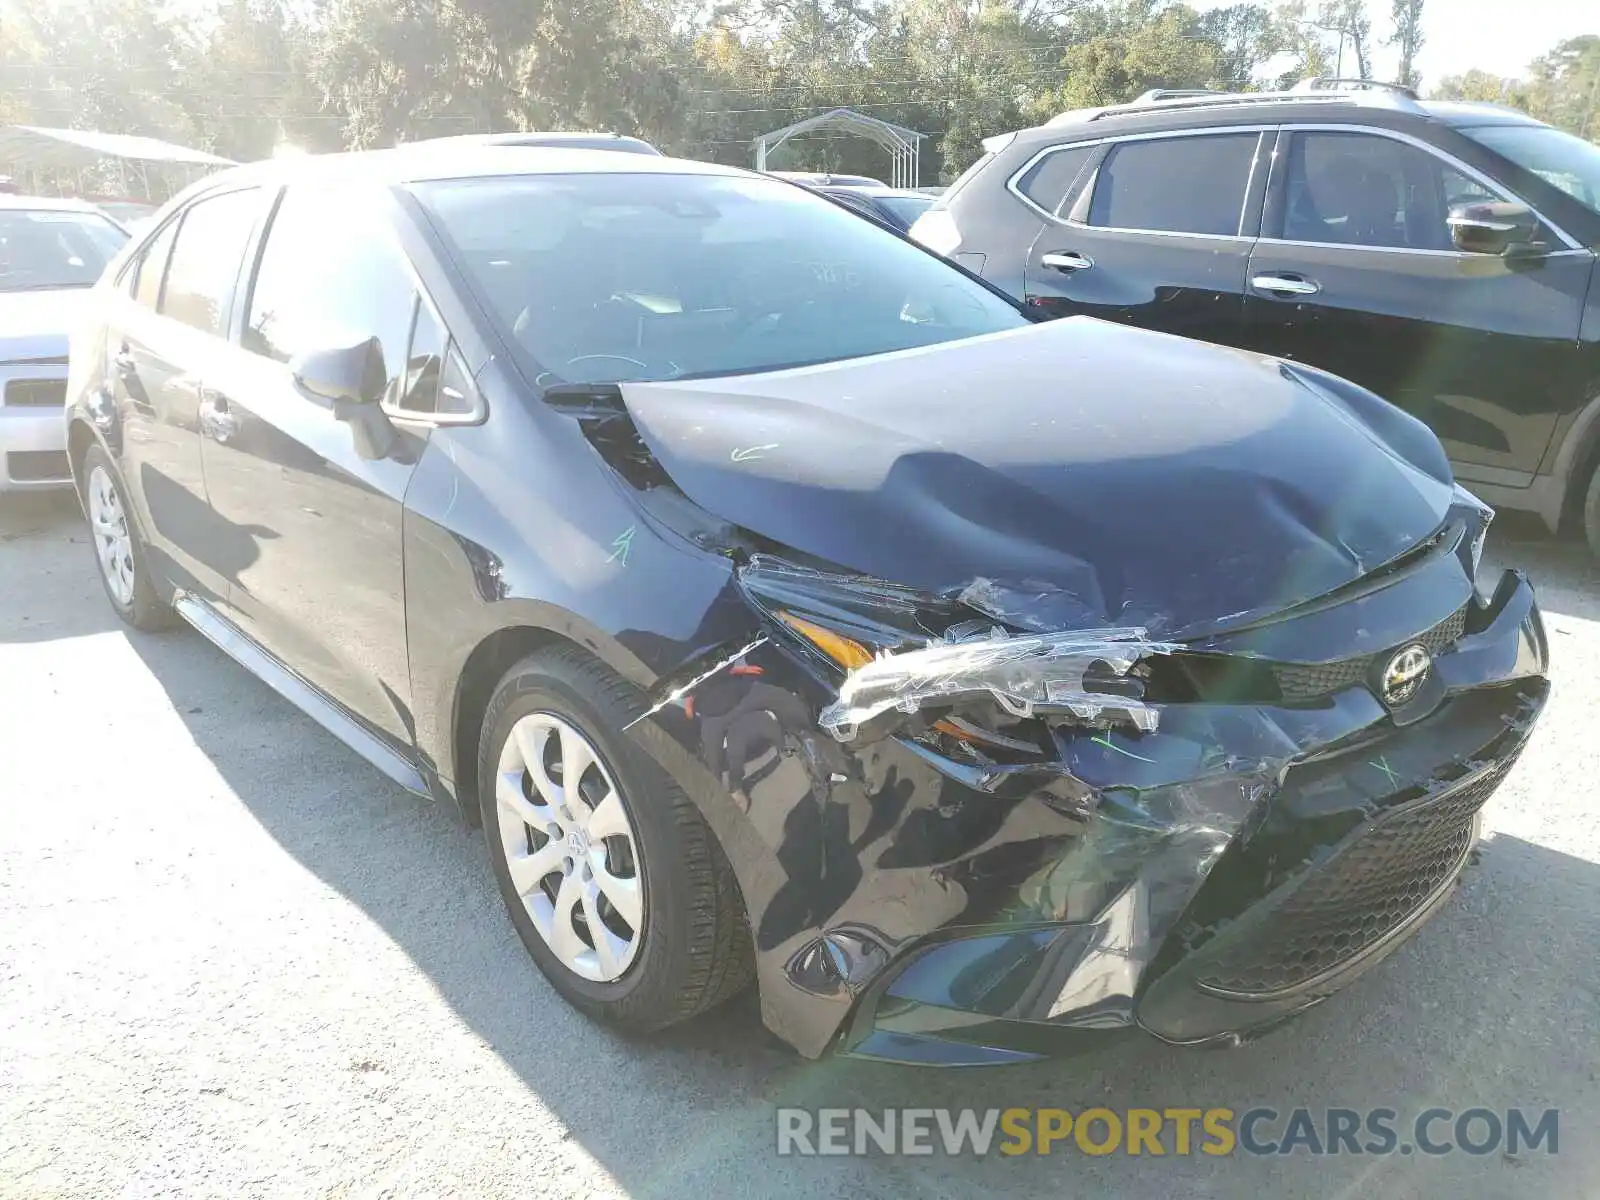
x=1442, y=255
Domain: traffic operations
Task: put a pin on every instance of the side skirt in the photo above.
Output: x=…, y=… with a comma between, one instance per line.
x=308, y=699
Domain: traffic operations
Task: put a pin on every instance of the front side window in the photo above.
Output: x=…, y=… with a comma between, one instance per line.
x=204, y=266
x=608, y=276
x=1175, y=185
x=330, y=276
x=1561, y=160
x=1357, y=189
x=42, y=249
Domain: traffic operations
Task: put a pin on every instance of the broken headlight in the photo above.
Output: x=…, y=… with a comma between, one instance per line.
x=901, y=651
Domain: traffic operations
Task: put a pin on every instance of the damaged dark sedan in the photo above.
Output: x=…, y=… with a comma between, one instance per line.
x=786, y=606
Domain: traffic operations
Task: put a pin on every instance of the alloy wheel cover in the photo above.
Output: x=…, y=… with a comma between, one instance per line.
x=570, y=848
x=108, y=521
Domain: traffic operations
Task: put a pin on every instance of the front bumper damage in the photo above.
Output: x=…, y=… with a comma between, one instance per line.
x=1201, y=870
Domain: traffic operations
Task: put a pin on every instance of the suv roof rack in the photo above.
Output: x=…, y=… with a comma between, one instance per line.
x=1336, y=83
x=1155, y=94
x=1316, y=90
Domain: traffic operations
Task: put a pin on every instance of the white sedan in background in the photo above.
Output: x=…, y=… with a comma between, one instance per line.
x=51, y=253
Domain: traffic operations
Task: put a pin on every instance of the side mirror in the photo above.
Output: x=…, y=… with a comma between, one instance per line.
x=1492, y=227
x=343, y=375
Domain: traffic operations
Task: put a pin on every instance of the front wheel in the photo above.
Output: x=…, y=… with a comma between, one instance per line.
x=611, y=877
x=118, y=549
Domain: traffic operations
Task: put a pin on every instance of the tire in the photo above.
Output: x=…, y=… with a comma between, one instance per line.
x=130, y=588
x=692, y=948
x=1591, y=513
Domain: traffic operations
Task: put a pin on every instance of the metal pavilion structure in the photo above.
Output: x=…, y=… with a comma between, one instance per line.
x=904, y=145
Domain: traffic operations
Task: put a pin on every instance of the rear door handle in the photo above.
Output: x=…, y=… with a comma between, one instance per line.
x=216, y=418
x=1285, y=285
x=123, y=361
x=1066, y=260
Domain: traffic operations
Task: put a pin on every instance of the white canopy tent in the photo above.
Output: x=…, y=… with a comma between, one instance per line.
x=904, y=145
x=36, y=153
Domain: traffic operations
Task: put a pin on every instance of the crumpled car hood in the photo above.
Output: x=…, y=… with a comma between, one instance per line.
x=1143, y=478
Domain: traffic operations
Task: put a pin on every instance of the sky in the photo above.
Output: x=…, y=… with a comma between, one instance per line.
x=1488, y=34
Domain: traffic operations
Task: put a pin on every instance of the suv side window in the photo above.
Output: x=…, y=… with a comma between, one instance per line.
x=1359, y=189
x=1049, y=180
x=151, y=269
x=331, y=275
x=1192, y=184
x=204, y=265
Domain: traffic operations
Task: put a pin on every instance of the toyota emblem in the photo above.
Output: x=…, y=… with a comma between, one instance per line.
x=1404, y=675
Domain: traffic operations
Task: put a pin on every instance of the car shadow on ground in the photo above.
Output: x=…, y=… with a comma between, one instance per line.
x=1492, y=1005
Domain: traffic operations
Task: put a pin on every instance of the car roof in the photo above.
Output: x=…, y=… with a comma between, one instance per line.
x=429, y=162
x=47, y=204
x=856, y=189
x=554, y=138
x=831, y=179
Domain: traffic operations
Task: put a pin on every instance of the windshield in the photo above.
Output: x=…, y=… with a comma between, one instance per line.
x=613, y=277
x=42, y=248
x=1566, y=162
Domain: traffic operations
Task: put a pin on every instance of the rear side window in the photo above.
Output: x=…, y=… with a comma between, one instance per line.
x=330, y=275
x=204, y=266
x=1175, y=185
x=1049, y=180
x=152, y=267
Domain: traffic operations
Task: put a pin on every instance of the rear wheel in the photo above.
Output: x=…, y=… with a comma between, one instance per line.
x=614, y=882
x=118, y=549
x=1591, y=513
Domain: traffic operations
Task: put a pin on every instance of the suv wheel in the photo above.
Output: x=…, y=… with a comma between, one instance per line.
x=1591, y=513
x=118, y=549
x=615, y=884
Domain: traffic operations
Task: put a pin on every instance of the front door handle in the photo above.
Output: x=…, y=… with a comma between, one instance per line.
x=1066, y=260
x=124, y=362
x=1285, y=285
x=216, y=418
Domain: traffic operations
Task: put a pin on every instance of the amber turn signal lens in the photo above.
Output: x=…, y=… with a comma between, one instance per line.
x=842, y=650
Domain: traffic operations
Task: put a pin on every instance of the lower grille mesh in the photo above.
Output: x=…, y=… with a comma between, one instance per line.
x=1368, y=888
x=36, y=393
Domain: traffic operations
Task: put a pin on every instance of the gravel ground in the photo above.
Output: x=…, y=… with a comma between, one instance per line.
x=236, y=961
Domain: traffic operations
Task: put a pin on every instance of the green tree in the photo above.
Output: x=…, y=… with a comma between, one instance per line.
x=1564, y=86
x=1407, y=39
x=1246, y=36
x=1140, y=44
x=1348, y=21
x=1482, y=86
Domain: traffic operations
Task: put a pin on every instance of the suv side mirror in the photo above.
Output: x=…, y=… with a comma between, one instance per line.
x=1492, y=227
x=343, y=375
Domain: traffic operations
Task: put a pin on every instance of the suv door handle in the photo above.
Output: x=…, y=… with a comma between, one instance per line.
x=216, y=419
x=1285, y=285
x=1066, y=260
x=124, y=362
